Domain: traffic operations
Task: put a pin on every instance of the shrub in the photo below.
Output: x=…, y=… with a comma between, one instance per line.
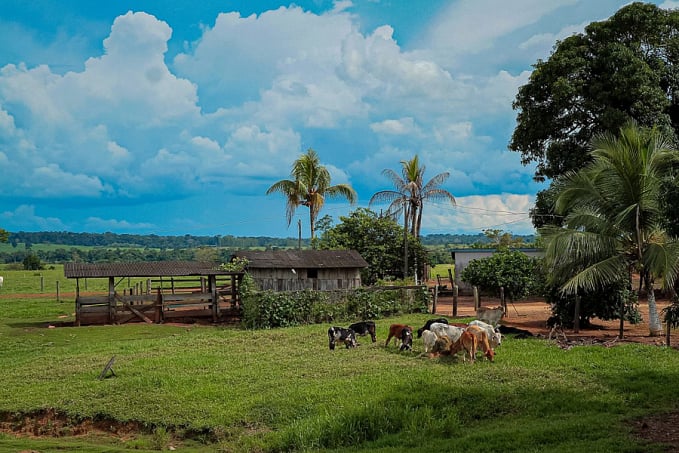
x=269, y=309
x=514, y=271
x=603, y=304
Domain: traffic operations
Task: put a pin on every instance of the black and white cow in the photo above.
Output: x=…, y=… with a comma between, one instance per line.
x=428, y=324
x=341, y=335
x=406, y=339
x=364, y=328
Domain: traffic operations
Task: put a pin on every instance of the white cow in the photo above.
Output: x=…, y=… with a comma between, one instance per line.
x=2, y=280
x=444, y=330
x=429, y=339
x=489, y=315
x=494, y=337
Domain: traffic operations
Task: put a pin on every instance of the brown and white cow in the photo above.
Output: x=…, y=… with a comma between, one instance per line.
x=468, y=343
x=494, y=335
x=404, y=333
x=482, y=340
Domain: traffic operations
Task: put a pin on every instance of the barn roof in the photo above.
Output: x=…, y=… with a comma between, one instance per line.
x=303, y=259
x=141, y=269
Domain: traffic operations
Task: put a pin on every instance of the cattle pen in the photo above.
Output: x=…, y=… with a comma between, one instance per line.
x=169, y=291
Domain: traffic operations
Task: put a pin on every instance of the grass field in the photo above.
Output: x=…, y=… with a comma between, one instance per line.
x=205, y=389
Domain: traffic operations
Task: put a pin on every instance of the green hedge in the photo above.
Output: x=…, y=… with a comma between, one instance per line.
x=270, y=309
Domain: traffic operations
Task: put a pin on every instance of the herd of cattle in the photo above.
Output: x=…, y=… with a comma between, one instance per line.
x=439, y=337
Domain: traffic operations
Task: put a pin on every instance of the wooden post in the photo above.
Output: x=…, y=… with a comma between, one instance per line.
x=667, y=335
x=621, y=334
x=148, y=286
x=455, y=294
x=212, y=286
x=58, y=298
x=503, y=303
x=42, y=284
x=111, y=300
x=85, y=284
x=436, y=298
x=477, y=301
x=77, y=287
x=450, y=277
x=576, y=316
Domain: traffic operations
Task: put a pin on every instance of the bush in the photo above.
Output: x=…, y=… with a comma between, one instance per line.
x=514, y=271
x=603, y=304
x=269, y=309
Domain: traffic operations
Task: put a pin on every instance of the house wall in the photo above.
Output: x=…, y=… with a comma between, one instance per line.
x=324, y=280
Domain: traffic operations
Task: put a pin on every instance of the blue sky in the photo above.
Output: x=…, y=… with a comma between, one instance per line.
x=174, y=117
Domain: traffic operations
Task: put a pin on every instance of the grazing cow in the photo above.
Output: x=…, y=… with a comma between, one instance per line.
x=441, y=346
x=404, y=333
x=428, y=324
x=429, y=340
x=2, y=280
x=364, y=328
x=482, y=341
x=444, y=330
x=509, y=330
x=341, y=335
x=494, y=335
x=489, y=315
x=467, y=343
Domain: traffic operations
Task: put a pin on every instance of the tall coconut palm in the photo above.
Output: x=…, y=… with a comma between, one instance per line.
x=410, y=193
x=309, y=186
x=612, y=223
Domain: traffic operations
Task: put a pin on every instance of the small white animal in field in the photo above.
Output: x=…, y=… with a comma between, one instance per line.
x=2, y=280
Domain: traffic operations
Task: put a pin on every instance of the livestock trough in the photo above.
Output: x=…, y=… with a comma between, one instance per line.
x=167, y=292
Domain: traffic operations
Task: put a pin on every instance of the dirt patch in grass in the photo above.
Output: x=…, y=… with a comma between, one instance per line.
x=50, y=423
x=660, y=429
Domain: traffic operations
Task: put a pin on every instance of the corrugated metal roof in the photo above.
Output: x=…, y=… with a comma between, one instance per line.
x=303, y=259
x=141, y=269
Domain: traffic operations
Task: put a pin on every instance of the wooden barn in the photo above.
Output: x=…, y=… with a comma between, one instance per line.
x=293, y=270
x=166, y=290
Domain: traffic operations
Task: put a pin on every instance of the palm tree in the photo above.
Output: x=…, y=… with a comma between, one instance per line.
x=309, y=186
x=612, y=224
x=410, y=193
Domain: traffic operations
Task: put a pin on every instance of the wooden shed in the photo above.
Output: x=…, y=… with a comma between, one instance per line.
x=293, y=270
x=170, y=290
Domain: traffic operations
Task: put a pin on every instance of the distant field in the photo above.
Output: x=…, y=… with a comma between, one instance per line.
x=7, y=247
x=45, y=282
x=442, y=270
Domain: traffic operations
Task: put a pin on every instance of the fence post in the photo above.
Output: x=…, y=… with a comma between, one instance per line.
x=42, y=284
x=503, y=303
x=477, y=302
x=455, y=294
x=436, y=298
x=58, y=298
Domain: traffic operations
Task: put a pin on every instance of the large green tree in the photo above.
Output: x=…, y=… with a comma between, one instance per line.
x=612, y=218
x=626, y=67
x=309, y=186
x=378, y=240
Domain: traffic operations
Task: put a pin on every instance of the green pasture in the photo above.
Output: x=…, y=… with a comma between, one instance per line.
x=225, y=389
x=442, y=271
x=47, y=281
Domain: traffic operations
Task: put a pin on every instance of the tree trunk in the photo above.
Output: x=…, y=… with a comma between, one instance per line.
x=654, y=324
x=311, y=222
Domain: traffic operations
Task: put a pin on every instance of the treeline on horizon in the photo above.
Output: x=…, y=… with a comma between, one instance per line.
x=113, y=247
x=188, y=241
